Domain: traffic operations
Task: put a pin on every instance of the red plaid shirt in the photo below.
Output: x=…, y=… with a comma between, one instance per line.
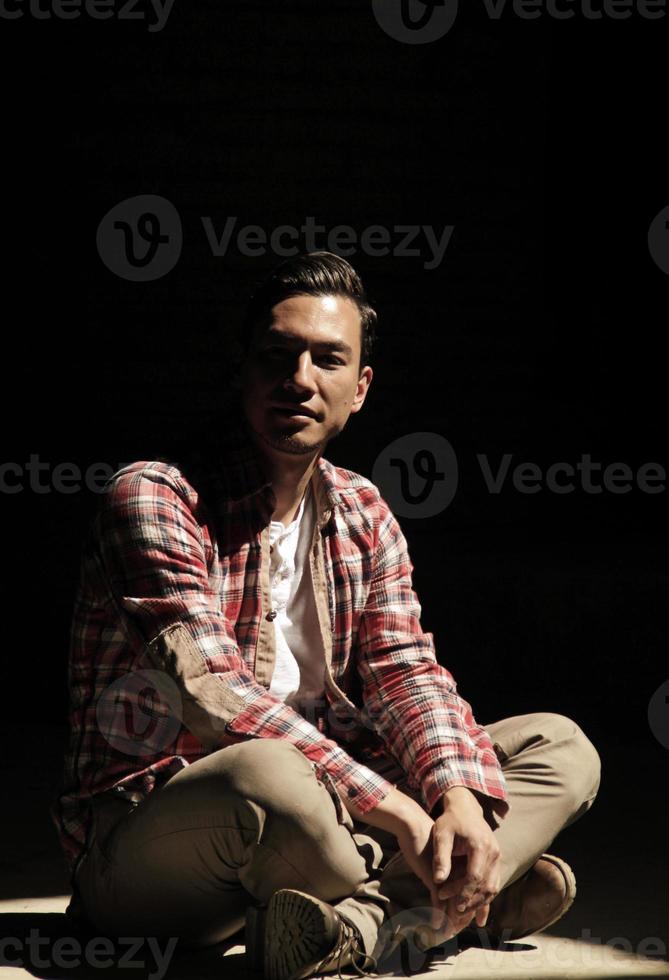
x=172, y=643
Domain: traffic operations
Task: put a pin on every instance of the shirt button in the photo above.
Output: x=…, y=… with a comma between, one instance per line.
x=352, y=792
x=271, y=615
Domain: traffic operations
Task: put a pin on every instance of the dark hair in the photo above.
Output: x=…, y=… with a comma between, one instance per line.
x=310, y=274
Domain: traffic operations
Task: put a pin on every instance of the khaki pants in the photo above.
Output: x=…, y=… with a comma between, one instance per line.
x=232, y=828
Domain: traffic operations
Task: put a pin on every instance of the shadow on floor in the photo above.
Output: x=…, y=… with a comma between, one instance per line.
x=51, y=946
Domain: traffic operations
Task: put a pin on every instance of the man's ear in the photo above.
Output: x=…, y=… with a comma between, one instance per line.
x=365, y=379
x=367, y=374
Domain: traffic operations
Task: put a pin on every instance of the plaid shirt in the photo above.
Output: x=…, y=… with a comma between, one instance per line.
x=172, y=643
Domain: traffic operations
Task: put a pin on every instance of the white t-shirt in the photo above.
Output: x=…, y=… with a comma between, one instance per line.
x=300, y=658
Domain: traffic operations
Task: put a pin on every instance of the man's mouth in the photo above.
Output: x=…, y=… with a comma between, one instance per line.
x=294, y=411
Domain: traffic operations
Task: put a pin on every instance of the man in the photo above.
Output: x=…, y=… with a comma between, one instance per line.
x=261, y=732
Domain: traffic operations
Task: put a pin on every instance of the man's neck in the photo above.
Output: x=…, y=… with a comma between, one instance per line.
x=289, y=489
x=289, y=475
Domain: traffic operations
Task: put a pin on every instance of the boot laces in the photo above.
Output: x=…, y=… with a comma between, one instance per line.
x=348, y=950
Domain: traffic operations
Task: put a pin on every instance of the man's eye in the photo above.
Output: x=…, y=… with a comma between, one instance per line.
x=329, y=359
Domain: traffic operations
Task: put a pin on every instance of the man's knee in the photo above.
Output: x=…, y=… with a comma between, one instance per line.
x=578, y=760
x=268, y=771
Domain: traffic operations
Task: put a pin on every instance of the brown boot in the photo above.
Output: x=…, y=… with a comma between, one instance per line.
x=297, y=936
x=532, y=903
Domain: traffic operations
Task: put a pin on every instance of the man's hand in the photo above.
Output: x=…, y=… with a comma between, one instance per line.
x=424, y=844
x=466, y=857
x=413, y=827
x=416, y=842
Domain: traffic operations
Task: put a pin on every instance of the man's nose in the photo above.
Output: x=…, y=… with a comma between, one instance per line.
x=302, y=373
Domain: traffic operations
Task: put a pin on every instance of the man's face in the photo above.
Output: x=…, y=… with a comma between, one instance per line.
x=305, y=362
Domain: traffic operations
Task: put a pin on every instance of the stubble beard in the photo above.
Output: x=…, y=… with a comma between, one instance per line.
x=296, y=443
x=292, y=442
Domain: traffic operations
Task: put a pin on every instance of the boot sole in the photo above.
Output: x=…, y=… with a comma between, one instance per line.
x=287, y=937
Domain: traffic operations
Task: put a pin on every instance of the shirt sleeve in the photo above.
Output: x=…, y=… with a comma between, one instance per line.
x=412, y=701
x=151, y=553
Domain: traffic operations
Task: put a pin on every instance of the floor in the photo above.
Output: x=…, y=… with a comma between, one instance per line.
x=617, y=927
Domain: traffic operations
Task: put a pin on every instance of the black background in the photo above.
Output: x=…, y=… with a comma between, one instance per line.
x=542, y=333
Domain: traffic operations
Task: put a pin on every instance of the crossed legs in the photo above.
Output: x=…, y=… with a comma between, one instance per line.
x=225, y=832
x=249, y=819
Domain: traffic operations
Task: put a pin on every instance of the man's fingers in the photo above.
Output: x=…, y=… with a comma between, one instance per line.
x=456, y=920
x=480, y=883
x=446, y=924
x=476, y=869
x=450, y=888
x=442, y=846
x=470, y=894
x=482, y=897
x=482, y=915
x=438, y=919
